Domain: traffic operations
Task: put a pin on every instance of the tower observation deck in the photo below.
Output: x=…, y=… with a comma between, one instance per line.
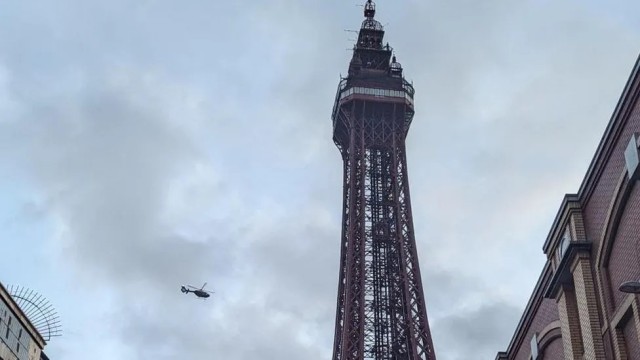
x=381, y=312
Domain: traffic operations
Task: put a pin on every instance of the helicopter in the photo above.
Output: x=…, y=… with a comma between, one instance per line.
x=201, y=293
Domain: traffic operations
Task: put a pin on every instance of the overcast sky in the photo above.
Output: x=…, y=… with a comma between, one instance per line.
x=154, y=143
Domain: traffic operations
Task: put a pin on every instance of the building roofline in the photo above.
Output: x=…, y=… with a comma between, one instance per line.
x=621, y=113
x=563, y=211
x=616, y=124
x=26, y=323
x=532, y=307
x=607, y=143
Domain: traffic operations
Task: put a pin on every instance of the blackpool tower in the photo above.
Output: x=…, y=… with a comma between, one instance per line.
x=381, y=312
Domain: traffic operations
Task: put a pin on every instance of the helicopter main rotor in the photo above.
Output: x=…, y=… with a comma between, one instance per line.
x=199, y=292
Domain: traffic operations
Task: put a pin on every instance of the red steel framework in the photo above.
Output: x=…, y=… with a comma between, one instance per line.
x=381, y=312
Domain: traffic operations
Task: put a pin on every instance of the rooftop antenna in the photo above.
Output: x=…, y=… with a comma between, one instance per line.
x=38, y=310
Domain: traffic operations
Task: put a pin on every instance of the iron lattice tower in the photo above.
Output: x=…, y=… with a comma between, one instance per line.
x=381, y=312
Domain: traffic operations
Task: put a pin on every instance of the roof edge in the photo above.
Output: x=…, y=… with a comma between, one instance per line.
x=532, y=306
x=4, y=294
x=605, y=147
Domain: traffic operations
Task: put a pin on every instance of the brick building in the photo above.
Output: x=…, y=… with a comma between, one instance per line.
x=19, y=338
x=577, y=309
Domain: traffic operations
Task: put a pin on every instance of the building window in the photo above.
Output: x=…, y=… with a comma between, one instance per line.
x=19, y=334
x=534, y=347
x=8, y=328
x=564, y=244
x=632, y=157
x=18, y=347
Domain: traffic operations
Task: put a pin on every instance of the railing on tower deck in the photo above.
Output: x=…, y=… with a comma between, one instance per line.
x=341, y=85
x=383, y=93
x=370, y=24
x=406, y=93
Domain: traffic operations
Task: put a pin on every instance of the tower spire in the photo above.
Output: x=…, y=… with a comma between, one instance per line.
x=370, y=9
x=381, y=312
x=369, y=48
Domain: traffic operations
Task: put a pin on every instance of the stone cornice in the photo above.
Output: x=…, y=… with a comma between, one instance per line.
x=563, y=275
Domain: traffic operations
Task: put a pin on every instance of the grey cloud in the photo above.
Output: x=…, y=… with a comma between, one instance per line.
x=103, y=164
x=252, y=333
x=109, y=165
x=166, y=152
x=512, y=109
x=477, y=333
x=448, y=291
x=298, y=261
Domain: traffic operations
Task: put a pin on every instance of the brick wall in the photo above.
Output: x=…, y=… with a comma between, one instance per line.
x=546, y=314
x=588, y=309
x=625, y=254
x=595, y=210
x=631, y=340
x=554, y=351
x=570, y=323
x=624, y=262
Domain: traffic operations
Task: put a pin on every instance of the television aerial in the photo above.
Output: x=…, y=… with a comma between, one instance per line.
x=38, y=310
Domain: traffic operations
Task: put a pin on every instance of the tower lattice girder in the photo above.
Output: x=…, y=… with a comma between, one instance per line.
x=381, y=312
